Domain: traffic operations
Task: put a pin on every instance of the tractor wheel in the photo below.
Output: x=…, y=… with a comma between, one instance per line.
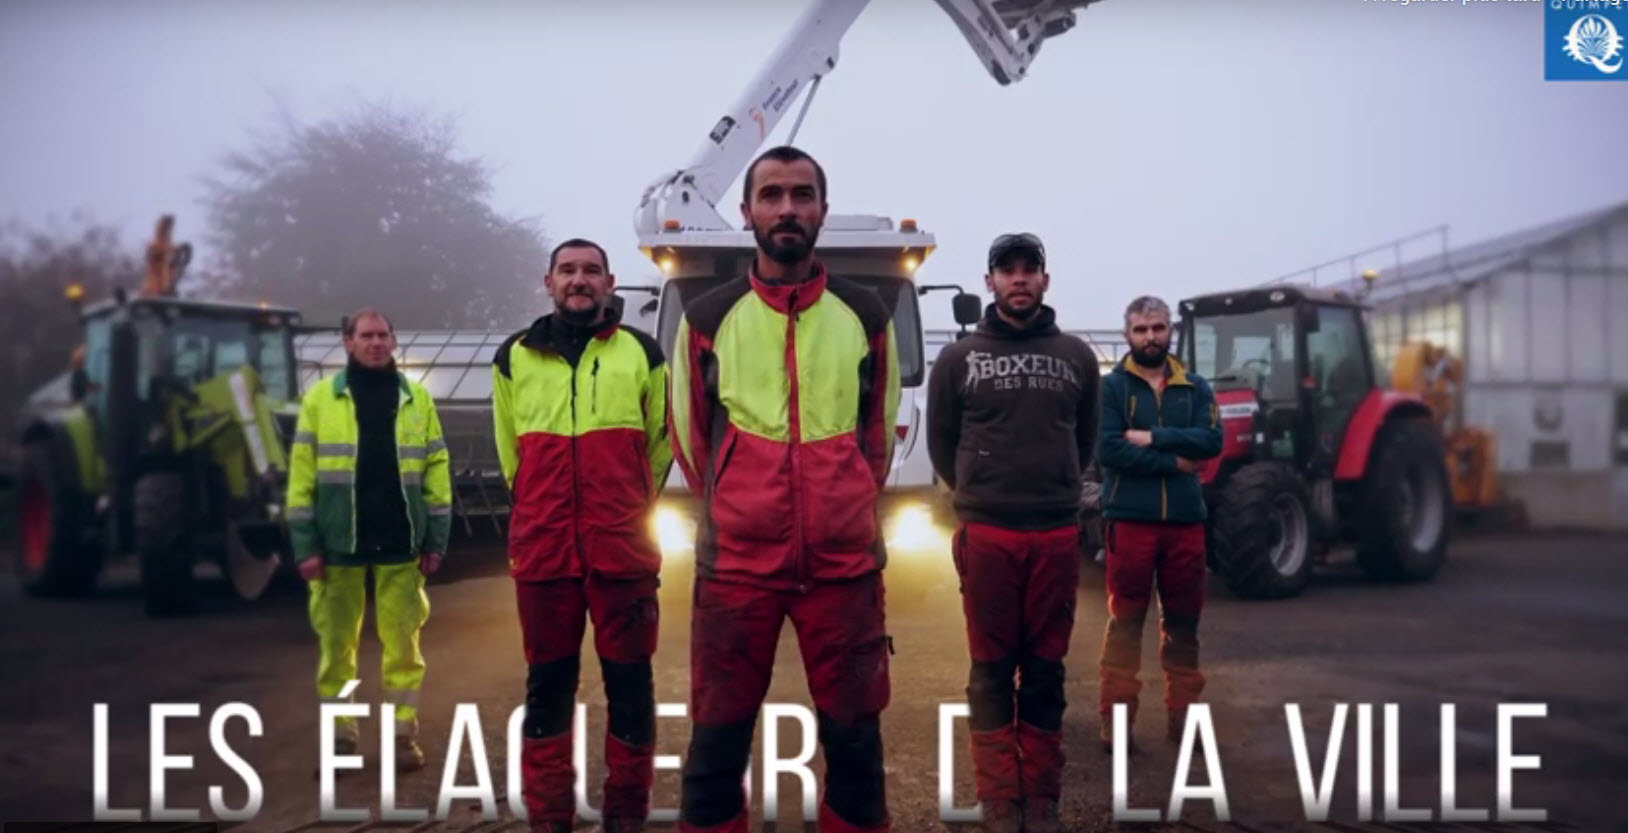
x=1261, y=532
x=164, y=543
x=53, y=556
x=1406, y=507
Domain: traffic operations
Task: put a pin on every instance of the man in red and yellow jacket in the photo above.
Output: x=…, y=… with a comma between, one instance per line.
x=580, y=411
x=785, y=387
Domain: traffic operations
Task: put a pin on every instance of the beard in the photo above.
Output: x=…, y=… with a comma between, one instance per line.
x=794, y=251
x=1152, y=355
x=576, y=315
x=1021, y=314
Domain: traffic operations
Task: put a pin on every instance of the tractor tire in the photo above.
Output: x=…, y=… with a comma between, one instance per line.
x=1260, y=532
x=164, y=544
x=1405, y=508
x=53, y=555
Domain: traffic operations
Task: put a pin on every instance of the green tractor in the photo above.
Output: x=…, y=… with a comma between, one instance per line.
x=169, y=442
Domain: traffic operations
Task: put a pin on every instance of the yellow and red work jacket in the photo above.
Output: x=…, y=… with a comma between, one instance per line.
x=784, y=398
x=583, y=444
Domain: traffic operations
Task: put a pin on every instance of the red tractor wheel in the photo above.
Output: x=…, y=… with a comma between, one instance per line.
x=1260, y=532
x=52, y=555
x=1406, y=505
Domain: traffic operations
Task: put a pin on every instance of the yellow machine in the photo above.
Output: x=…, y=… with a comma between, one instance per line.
x=1438, y=377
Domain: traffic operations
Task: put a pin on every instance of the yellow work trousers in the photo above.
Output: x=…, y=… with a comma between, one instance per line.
x=337, y=604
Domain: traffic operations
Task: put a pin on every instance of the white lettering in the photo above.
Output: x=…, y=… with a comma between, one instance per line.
x=466, y=730
x=1316, y=802
x=162, y=762
x=1508, y=762
x=223, y=750
x=101, y=811
x=1198, y=722
x=947, y=811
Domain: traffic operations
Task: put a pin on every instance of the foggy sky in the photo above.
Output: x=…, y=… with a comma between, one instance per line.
x=1166, y=146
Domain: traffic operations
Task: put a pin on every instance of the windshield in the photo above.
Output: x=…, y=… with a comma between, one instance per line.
x=1254, y=350
x=201, y=348
x=897, y=293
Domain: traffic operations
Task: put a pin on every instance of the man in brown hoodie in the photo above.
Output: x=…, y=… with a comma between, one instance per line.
x=1012, y=412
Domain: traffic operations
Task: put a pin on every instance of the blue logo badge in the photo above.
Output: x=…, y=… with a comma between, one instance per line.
x=1583, y=40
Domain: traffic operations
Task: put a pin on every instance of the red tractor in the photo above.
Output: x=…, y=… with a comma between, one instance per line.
x=1315, y=452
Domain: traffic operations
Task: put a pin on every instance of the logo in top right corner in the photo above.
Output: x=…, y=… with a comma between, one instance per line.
x=1583, y=40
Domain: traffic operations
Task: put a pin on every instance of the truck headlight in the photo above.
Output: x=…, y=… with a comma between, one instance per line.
x=675, y=532
x=912, y=530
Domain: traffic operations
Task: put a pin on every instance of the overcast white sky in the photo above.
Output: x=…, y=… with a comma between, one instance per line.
x=1171, y=146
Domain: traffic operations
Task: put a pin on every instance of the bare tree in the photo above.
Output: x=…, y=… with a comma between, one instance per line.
x=37, y=266
x=371, y=209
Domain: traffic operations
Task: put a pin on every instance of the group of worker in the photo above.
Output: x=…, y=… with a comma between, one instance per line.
x=778, y=404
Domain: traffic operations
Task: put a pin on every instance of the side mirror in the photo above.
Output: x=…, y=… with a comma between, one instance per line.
x=968, y=308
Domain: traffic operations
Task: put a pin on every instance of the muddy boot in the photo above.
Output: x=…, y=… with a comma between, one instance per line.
x=409, y=757
x=1002, y=816
x=616, y=825
x=1040, y=816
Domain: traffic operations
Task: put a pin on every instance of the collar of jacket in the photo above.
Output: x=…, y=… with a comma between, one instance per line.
x=545, y=331
x=1176, y=371
x=781, y=295
x=343, y=376
x=1044, y=323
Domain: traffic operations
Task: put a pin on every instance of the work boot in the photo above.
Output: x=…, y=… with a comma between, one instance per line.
x=1002, y=816
x=1175, y=723
x=619, y=825
x=1106, y=735
x=347, y=741
x=1040, y=816
x=409, y=757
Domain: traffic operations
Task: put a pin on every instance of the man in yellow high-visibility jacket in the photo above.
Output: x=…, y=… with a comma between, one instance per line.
x=369, y=488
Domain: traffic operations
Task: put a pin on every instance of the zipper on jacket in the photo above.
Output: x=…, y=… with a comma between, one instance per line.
x=356, y=420
x=796, y=431
x=594, y=405
x=1164, y=497
x=576, y=492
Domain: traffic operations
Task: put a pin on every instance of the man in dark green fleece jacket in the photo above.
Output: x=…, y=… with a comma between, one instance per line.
x=1158, y=422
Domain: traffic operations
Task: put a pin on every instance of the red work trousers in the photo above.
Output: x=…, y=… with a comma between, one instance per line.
x=1018, y=591
x=842, y=637
x=1142, y=556
x=552, y=621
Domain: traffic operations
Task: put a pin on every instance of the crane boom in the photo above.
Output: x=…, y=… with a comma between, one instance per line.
x=1006, y=35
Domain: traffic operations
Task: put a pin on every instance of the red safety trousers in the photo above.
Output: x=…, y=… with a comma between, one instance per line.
x=842, y=637
x=1140, y=557
x=552, y=621
x=1018, y=590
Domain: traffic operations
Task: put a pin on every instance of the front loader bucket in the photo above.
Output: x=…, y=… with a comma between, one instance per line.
x=252, y=558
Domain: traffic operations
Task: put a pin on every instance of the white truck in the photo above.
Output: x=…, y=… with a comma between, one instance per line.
x=682, y=230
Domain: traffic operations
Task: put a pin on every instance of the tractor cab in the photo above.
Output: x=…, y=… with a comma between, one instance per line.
x=145, y=347
x=1289, y=366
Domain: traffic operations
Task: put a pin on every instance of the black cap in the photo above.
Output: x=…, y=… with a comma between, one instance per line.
x=1008, y=244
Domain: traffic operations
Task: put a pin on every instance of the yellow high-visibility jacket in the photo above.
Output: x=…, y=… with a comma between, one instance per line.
x=321, y=508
